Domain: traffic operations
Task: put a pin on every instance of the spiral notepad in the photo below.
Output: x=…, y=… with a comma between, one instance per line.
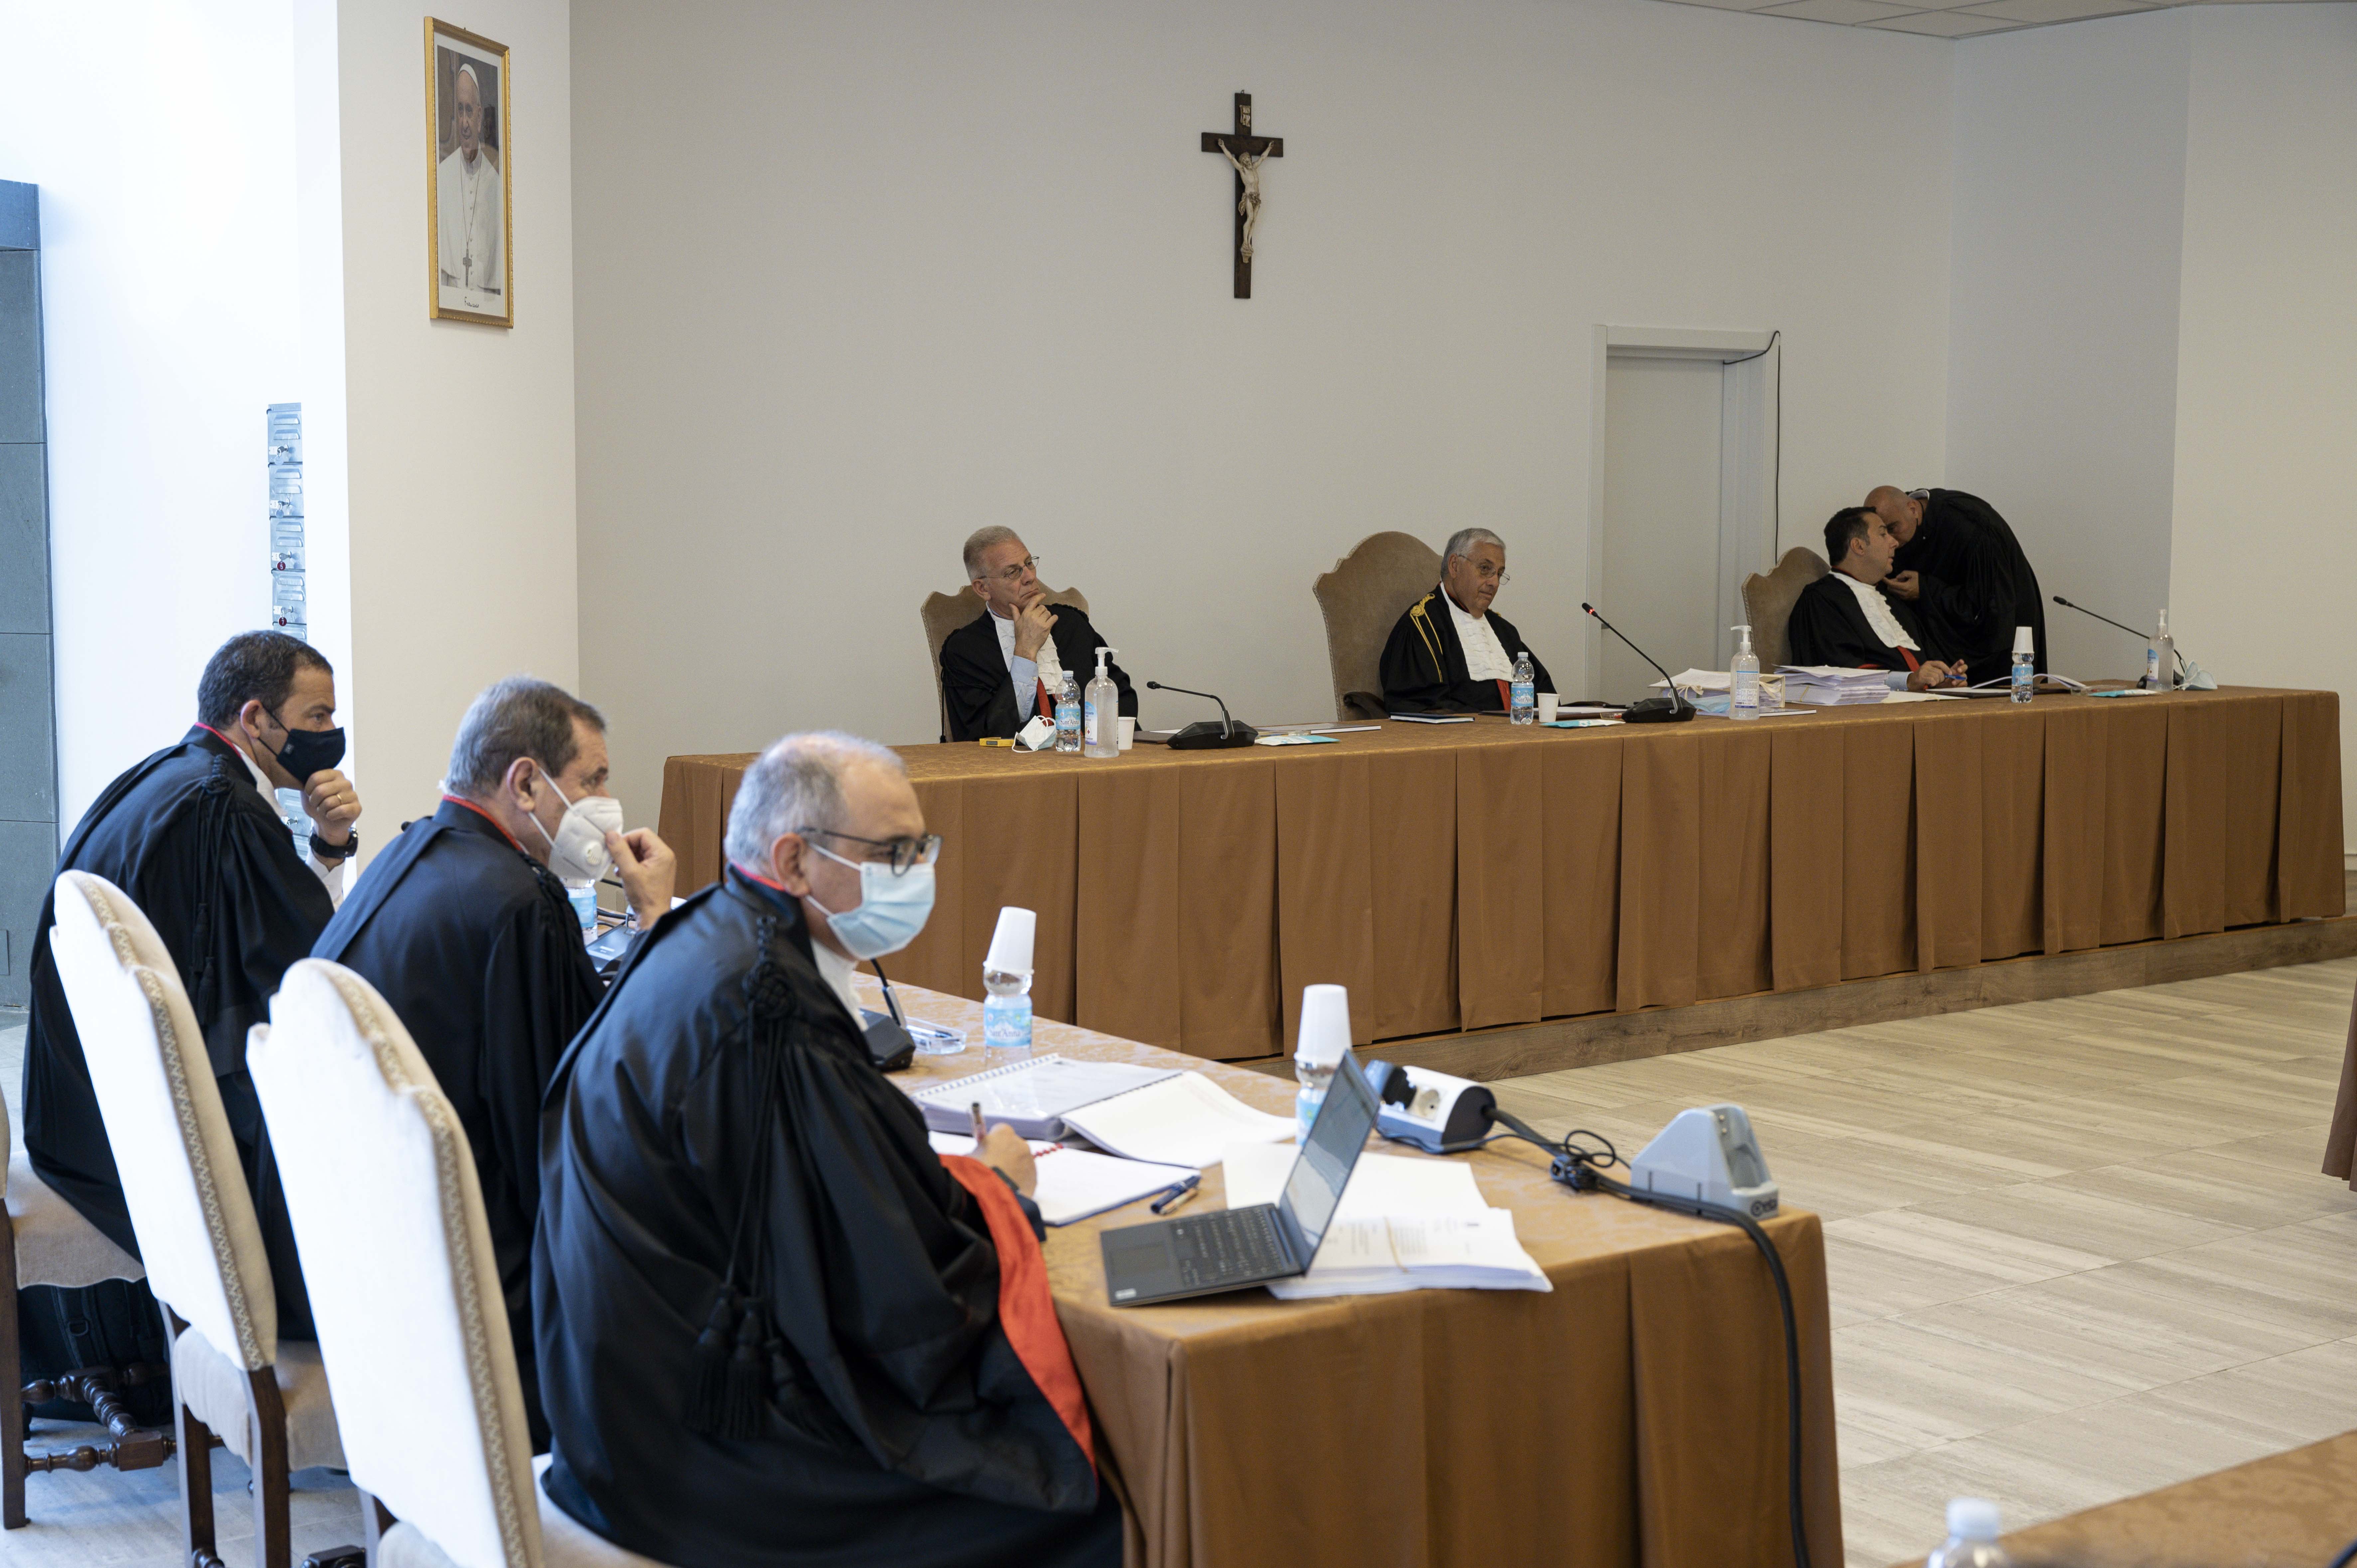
x=1031, y=1097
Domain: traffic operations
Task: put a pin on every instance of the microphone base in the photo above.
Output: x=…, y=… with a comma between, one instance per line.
x=1204, y=735
x=1658, y=711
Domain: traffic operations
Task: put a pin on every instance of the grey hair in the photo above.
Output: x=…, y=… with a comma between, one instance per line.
x=1464, y=540
x=797, y=784
x=519, y=717
x=982, y=538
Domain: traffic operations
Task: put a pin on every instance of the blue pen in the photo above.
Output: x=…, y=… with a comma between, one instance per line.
x=1172, y=1197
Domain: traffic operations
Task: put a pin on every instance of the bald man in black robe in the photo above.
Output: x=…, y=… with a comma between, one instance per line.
x=463, y=925
x=776, y=1328
x=1960, y=564
x=195, y=840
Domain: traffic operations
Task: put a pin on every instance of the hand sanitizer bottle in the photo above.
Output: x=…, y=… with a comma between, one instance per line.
x=1743, y=678
x=1972, y=1537
x=1318, y=1049
x=1067, y=715
x=2160, y=660
x=1101, y=719
x=1007, y=986
x=1523, y=691
x=2025, y=664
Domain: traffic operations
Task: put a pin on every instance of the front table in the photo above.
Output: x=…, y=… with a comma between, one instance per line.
x=1635, y=1414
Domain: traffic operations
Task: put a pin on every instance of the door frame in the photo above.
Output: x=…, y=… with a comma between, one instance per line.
x=1747, y=448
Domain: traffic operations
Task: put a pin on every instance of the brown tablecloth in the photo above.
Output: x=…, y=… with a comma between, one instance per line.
x=2291, y=1510
x=1466, y=875
x=1634, y=1414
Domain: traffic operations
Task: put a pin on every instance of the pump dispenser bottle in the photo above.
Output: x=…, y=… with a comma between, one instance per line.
x=1101, y=716
x=1743, y=678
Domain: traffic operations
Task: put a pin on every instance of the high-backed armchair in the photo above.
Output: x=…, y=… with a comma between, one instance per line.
x=1768, y=600
x=1361, y=599
x=193, y=1216
x=388, y=1215
x=944, y=613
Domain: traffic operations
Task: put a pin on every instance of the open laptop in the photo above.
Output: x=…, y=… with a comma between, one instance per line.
x=1231, y=1248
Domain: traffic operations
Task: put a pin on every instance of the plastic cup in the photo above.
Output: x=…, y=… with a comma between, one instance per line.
x=1128, y=732
x=1547, y=701
x=1324, y=1037
x=1010, y=944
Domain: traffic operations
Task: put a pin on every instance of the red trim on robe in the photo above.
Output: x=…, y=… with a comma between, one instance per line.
x=461, y=800
x=1506, y=697
x=1026, y=1310
x=749, y=875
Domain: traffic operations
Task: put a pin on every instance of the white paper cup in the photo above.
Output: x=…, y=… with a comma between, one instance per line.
x=1010, y=943
x=1325, y=1034
x=1128, y=732
x=1547, y=701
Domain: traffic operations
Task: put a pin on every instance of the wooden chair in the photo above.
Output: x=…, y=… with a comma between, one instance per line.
x=1362, y=598
x=388, y=1214
x=1768, y=602
x=194, y=1218
x=48, y=1242
x=944, y=613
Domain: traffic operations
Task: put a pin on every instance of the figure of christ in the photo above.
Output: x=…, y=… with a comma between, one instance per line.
x=1248, y=204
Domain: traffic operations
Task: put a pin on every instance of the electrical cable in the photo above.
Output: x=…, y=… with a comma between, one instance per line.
x=1581, y=1167
x=1776, y=501
x=2347, y=1555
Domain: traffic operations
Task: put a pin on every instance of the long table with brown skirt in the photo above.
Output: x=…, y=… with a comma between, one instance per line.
x=1634, y=1414
x=1462, y=876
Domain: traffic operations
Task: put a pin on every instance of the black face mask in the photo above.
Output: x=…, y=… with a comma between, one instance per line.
x=309, y=751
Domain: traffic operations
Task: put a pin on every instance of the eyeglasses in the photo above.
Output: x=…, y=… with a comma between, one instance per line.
x=905, y=853
x=1014, y=574
x=1486, y=573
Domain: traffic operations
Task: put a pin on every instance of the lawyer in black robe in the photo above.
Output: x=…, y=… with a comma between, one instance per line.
x=1976, y=585
x=979, y=688
x=892, y=1417
x=1829, y=626
x=474, y=944
x=209, y=862
x=1423, y=670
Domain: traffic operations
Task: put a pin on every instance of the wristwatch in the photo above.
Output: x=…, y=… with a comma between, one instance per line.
x=322, y=850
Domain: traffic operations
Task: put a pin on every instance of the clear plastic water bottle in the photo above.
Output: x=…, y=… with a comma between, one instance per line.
x=1972, y=1537
x=1525, y=691
x=584, y=899
x=1068, y=716
x=1318, y=1049
x=1007, y=987
x=2025, y=664
x=1100, y=714
x=1743, y=678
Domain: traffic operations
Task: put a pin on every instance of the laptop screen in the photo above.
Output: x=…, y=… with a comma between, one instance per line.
x=1323, y=1166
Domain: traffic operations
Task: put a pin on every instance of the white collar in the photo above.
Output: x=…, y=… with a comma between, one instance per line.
x=837, y=970
x=261, y=779
x=1878, y=616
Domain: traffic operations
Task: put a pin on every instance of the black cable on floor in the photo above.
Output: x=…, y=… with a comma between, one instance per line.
x=1580, y=1167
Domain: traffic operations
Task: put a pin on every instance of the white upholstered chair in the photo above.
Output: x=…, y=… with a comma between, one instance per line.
x=193, y=1215
x=389, y=1217
x=49, y=1243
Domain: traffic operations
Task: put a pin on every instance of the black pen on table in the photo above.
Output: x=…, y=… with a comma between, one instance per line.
x=1174, y=1196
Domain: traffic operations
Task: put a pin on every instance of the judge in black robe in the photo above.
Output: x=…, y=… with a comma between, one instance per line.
x=1424, y=667
x=1972, y=583
x=203, y=853
x=1831, y=626
x=468, y=935
x=989, y=687
x=722, y=1162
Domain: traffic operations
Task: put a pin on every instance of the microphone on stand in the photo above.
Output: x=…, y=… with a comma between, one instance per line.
x=2185, y=667
x=1673, y=709
x=1203, y=735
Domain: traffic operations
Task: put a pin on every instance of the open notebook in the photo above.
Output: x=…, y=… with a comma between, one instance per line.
x=1075, y=1184
x=1403, y=1224
x=1160, y=1114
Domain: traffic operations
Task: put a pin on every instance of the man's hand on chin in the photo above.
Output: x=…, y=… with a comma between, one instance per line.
x=1905, y=584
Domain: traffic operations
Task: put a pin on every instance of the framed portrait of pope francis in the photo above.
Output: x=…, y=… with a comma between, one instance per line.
x=469, y=200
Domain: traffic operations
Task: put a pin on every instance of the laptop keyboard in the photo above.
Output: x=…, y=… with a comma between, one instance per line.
x=1237, y=1244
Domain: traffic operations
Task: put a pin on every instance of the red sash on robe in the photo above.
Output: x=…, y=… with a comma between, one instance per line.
x=1026, y=1310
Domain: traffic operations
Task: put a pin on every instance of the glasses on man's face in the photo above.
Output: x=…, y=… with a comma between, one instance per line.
x=1013, y=574
x=901, y=854
x=1487, y=574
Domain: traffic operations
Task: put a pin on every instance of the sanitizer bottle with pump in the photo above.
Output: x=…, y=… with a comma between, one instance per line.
x=1743, y=678
x=1101, y=716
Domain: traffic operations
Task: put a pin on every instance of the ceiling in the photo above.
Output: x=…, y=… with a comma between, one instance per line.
x=1941, y=18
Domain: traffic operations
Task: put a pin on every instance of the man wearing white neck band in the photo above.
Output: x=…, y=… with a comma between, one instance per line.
x=1846, y=619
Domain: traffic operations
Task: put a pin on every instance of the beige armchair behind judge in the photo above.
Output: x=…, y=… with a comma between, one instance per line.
x=1004, y=665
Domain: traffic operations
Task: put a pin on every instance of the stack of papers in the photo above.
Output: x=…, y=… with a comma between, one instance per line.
x=1830, y=686
x=1403, y=1224
x=1075, y=1184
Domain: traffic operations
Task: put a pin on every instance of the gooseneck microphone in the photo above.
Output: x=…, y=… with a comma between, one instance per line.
x=1673, y=709
x=2178, y=653
x=1203, y=735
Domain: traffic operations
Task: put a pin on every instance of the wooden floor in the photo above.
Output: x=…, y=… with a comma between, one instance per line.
x=2079, y=1250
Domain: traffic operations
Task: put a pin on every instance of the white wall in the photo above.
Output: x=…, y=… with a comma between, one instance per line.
x=855, y=280
x=460, y=467
x=2069, y=197
x=166, y=164
x=2265, y=554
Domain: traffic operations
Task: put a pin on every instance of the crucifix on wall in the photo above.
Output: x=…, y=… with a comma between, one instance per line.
x=1246, y=151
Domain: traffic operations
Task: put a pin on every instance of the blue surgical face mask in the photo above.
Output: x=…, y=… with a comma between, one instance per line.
x=891, y=909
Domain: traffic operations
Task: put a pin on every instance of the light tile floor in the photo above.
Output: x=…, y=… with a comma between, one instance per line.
x=2078, y=1249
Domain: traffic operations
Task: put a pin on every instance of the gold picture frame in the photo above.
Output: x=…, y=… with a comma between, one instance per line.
x=469, y=194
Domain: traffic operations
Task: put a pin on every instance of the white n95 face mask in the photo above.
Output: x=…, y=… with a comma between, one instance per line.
x=578, y=852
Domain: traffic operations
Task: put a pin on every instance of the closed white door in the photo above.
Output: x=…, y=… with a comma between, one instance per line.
x=1661, y=517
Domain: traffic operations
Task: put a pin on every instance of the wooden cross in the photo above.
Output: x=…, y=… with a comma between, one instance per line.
x=1241, y=146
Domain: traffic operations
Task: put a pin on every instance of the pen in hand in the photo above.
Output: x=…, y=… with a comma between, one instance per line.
x=980, y=1131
